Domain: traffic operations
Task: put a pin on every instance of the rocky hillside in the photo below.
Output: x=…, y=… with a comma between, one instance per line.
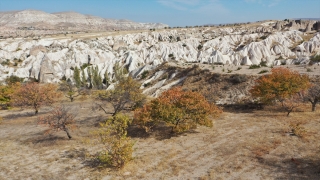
x=32, y=20
x=269, y=43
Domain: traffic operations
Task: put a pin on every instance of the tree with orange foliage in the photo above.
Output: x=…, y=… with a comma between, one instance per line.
x=181, y=110
x=34, y=95
x=282, y=85
x=59, y=119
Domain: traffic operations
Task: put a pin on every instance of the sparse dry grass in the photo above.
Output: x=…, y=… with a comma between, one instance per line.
x=255, y=145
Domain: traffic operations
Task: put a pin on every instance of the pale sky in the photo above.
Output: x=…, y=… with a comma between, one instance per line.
x=177, y=12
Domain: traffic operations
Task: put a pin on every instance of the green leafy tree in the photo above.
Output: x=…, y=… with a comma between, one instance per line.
x=70, y=90
x=119, y=72
x=126, y=92
x=83, y=79
x=89, y=72
x=76, y=76
x=97, y=80
x=106, y=79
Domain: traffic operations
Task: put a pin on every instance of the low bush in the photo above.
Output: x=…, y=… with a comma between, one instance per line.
x=263, y=71
x=144, y=74
x=315, y=59
x=254, y=66
x=263, y=63
x=238, y=78
x=118, y=147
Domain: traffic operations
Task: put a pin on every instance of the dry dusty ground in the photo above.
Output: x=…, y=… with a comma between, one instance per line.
x=310, y=70
x=241, y=145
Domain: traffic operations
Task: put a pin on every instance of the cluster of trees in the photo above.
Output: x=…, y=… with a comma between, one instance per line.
x=175, y=108
x=181, y=110
x=91, y=79
x=287, y=88
x=29, y=95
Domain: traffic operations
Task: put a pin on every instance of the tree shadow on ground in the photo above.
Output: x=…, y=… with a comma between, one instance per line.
x=16, y=115
x=242, y=108
x=84, y=156
x=75, y=153
x=45, y=140
x=294, y=168
x=91, y=121
x=160, y=132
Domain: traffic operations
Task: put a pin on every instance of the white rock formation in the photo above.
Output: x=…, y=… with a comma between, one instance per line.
x=142, y=51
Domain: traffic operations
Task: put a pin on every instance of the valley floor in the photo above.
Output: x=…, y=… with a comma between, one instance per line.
x=241, y=145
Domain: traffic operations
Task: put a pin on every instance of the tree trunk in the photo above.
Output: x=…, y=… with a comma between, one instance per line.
x=289, y=111
x=314, y=107
x=68, y=134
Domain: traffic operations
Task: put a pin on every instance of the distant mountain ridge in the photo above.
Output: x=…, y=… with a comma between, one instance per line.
x=312, y=19
x=68, y=21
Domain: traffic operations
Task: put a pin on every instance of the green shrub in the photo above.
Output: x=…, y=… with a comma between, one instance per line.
x=263, y=63
x=144, y=74
x=315, y=59
x=263, y=71
x=6, y=62
x=238, y=78
x=146, y=84
x=118, y=147
x=84, y=66
x=218, y=63
x=254, y=66
x=13, y=79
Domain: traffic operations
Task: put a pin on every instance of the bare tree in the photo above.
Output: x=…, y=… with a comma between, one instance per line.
x=59, y=119
x=313, y=95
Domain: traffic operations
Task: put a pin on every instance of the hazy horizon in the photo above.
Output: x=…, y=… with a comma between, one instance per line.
x=177, y=12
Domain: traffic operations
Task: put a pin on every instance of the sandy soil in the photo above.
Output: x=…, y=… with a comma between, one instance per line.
x=241, y=145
